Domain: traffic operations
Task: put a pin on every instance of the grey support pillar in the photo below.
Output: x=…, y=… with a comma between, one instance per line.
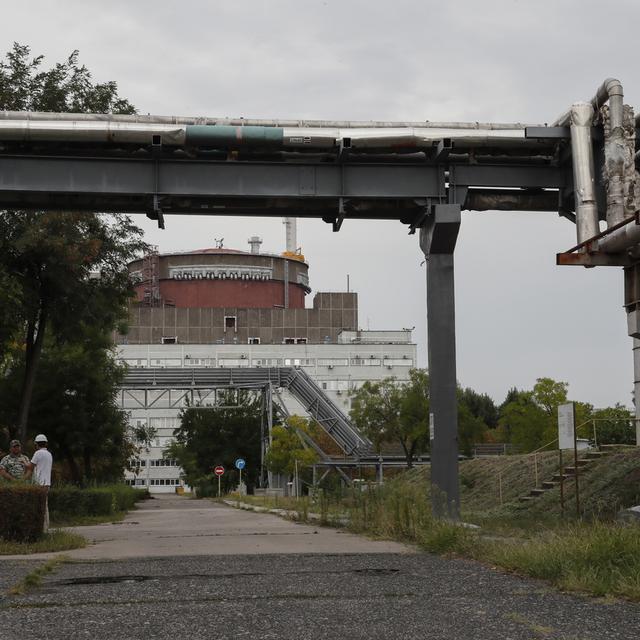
x=438, y=240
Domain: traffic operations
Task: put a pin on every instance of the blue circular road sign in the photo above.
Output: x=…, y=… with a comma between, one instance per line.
x=240, y=463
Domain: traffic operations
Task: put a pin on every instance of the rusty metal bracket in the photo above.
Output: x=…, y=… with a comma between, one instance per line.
x=586, y=254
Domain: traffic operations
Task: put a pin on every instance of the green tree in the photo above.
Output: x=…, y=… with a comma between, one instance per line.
x=615, y=425
x=548, y=394
x=47, y=258
x=74, y=404
x=389, y=411
x=72, y=273
x=481, y=406
x=287, y=450
x=210, y=436
x=525, y=422
x=471, y=429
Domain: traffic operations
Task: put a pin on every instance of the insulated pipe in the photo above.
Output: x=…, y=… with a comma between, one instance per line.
x=290, y=225
x=620, y=239
x=232, y=137
x=614, y=151
x=583, y=172
x=243, y=122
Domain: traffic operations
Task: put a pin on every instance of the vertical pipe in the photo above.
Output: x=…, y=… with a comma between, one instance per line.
x=286, y=283
x=291, y=234
x=611, y=89
x=583, y=171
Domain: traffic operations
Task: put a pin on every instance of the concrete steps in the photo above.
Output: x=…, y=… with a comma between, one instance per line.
x=569, y=473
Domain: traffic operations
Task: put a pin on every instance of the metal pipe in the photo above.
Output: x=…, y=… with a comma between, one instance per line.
x=242, y=122
x=225, y=137
x=260, y=137
x=614, y=148
x=291, y=240
x=620, y=239
x=583, y=172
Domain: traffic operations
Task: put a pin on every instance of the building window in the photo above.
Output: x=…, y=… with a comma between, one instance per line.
x=365, y=362
x=233, y=362
x=253, y=341
x=266, y=362
x=135, y=363
x=289, y=341
x=169, y=340
x=230, y=323
x=398, y=362
x=333, y=362
x=299, y=362
x=301, y=341
x=166, y=362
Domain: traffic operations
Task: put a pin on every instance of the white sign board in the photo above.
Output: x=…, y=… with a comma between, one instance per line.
x=566, y=436
x=432, y=427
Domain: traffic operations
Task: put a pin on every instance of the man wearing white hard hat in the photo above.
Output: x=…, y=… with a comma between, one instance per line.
x=42, y=462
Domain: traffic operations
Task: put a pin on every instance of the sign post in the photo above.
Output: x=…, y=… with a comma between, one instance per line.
x=219, y=471
x=567, y=440
x=240, y=465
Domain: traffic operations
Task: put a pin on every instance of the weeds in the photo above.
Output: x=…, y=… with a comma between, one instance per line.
x=54, y=540
x=599, y=558
x=34, y=579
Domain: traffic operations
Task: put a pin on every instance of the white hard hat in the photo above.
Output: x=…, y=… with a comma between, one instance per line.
x=40, y=438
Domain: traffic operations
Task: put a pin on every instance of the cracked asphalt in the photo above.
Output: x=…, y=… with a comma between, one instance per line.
x=281, y=585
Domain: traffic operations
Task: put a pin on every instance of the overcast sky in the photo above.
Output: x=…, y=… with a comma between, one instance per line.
x=519, y=317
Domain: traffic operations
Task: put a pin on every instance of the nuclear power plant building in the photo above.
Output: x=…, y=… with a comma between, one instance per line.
x=225, y=308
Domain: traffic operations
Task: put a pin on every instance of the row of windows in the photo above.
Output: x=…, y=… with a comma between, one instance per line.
x=243, y=361
x=161, y=462
x=153, y=482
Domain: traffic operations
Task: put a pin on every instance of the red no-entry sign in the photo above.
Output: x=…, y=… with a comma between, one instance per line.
x=219, y=470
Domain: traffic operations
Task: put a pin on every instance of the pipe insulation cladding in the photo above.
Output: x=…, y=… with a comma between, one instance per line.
x=583, y=172
x=114, y=132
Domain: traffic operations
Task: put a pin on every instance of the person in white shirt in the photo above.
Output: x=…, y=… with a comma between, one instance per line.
x=41, y=462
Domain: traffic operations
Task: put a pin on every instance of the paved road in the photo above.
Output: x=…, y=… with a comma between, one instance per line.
x=254, y=576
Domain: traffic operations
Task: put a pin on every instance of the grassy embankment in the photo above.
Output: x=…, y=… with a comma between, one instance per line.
x=593, y=553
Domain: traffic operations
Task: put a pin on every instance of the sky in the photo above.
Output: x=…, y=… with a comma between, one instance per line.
x=519, y=317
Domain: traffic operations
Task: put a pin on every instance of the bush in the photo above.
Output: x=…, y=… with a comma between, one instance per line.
x=71, y=502
x=22, y=509
x=126, y=496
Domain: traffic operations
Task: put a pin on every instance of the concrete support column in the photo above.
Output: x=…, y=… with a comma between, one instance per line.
x=437, y=240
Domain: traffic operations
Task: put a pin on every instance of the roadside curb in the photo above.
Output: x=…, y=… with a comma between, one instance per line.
x=286, y=513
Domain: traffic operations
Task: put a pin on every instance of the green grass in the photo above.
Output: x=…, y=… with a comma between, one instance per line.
x=55, y=540
x=598, y=558
x=34, y=579
x=595, y=555
x=84, y=521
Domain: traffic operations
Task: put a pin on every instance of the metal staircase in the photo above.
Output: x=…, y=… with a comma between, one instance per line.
x=295, y=380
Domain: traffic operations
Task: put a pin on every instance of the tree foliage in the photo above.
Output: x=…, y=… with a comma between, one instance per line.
x=75, y=405
x=211, y=436
x=66, y=87
x=287, y=449
x=47, y=259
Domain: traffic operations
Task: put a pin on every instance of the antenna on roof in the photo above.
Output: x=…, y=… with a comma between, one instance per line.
x=219, y=242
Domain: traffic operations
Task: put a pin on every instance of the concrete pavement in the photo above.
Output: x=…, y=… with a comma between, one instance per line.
x=171, y=525
x=208, y=571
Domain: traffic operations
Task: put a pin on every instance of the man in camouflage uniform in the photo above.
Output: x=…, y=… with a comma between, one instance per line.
x=16, y=465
